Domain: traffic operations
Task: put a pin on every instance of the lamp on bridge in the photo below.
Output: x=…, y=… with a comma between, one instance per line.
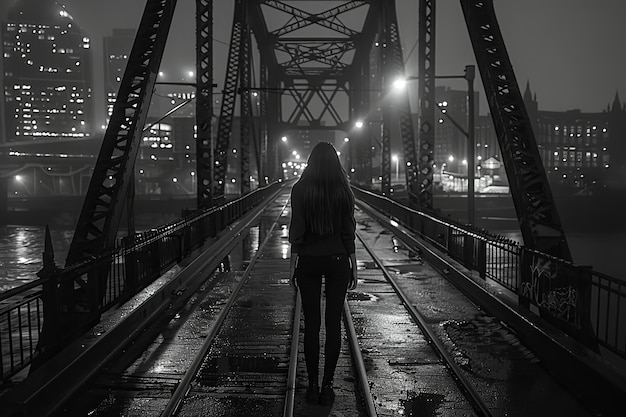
x=470, y=74
x=365, y=175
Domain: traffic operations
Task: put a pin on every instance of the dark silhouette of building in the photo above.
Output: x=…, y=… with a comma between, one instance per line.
x=451, y=142
x=47, y=61
x=581, y=149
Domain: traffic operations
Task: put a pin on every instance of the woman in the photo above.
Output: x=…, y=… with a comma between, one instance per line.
x=322, y=235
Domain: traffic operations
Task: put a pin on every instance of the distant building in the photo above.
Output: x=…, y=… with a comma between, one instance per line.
x=116, y=50
x=450, y=149
x=47, y=63
x=577, y=149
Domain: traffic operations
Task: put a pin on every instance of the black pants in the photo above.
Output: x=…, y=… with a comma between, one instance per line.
x=336, y=271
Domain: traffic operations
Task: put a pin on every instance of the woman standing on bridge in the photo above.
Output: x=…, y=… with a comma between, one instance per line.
x=322, y=234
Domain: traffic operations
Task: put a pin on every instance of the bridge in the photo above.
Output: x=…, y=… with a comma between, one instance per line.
x=78, y=328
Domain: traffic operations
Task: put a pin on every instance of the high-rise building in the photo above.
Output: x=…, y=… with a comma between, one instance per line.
x=116, y=49
x=47, y=61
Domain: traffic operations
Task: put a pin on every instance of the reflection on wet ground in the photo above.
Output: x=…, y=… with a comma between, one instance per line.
x=502, y=370
x=221, y=367
x=361, y=296
x=21, y=249
x=422, y=404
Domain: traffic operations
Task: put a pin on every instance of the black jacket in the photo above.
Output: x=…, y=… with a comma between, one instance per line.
x=304, y=242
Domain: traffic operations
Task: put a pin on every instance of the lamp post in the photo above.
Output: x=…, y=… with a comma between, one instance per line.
x=363, y=130
x=395, y=159
x=470, y=74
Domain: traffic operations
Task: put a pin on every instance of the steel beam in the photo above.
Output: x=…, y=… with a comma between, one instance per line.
x=537, y=213
x=229, y=97
x=426, y=92
x=204, y=102
x=103, y=206
x=407, y=132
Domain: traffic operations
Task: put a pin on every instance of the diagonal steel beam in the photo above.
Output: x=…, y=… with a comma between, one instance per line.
x=304, y=18
x=99, y=219
x=204, y=102
x=537, y=213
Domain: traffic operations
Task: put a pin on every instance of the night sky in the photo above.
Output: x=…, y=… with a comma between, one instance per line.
x=571, y=51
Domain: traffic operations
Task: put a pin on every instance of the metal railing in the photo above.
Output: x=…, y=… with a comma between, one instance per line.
x=62, y=303
x=587, y=305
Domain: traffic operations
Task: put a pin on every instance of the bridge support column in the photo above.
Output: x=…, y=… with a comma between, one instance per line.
x=4, y=200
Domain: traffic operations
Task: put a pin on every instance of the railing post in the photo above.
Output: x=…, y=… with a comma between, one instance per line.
x=186, y=240
x=51, y=326
x=525, y=278
x=583, y=305
x=130, y=263
x=449, y=240
x=156, y=258
x=95, y=292
x=482, y=258
x=468, y=250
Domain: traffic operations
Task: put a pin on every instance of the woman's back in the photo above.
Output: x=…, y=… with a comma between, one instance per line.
x=322, y=221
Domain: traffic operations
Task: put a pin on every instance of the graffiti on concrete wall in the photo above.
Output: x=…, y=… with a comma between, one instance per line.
x=551, y=290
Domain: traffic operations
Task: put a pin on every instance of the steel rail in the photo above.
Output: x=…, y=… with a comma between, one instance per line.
x=359, y=364
x=434, y=341
x=185, y=383
x=56, y=382
x=293, y=360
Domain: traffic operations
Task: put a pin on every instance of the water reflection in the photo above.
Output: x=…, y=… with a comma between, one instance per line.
x=21, y=249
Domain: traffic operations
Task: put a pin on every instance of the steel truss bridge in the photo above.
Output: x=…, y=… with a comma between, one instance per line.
x=313, y=70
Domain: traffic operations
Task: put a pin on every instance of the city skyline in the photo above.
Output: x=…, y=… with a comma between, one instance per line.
x=572, y=65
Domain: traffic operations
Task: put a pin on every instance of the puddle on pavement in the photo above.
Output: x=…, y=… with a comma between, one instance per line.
x=422, y=405
x=366, y=265
x=361, y=296
x=214, y=369
x=484, y=347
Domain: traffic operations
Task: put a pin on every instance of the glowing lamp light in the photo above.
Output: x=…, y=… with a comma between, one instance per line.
x=399, y=84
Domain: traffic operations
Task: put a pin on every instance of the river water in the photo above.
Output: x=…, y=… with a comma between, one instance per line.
x=21, y=249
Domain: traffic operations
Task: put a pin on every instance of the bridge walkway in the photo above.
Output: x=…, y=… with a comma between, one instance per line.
x=405, y=376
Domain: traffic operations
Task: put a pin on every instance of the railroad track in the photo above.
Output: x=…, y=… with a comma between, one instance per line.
x=234, y=348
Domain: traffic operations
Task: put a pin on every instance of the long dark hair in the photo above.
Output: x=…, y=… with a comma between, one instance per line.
x=327, y=190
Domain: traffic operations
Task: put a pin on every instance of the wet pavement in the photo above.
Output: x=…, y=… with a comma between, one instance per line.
x=142, y=386
x=245, y=371
x=506, y=374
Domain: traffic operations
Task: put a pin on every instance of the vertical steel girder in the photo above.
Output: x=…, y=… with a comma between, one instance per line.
x=204, y=102
x=393, y=68
x=103, y=206
x=263, y=126
x=229, y=97
x=538, y=217
x=386, y=83
x=426, y=92
x=404, y=112
x=245, y=126
x=359, y=146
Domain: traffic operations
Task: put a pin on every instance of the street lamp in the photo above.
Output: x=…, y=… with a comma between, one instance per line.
x=395, y=159
x=470, y=74
x=365, y=174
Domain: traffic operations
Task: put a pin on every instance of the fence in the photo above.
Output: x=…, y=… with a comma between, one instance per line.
x=587, y=305
x=64, y=302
